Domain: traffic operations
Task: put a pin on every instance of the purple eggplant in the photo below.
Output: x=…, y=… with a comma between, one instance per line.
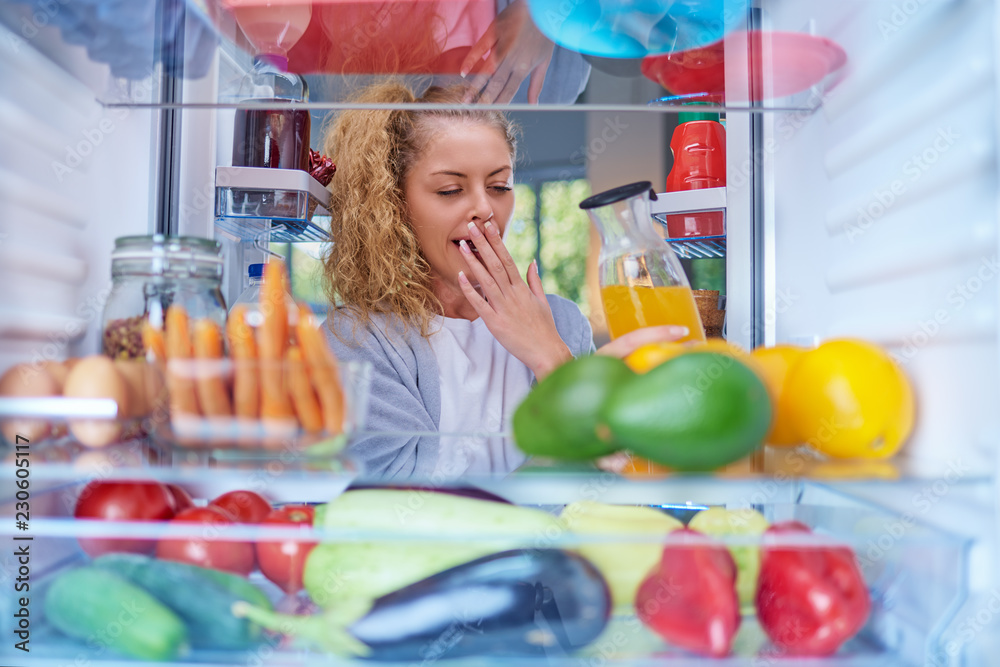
x=522, y=603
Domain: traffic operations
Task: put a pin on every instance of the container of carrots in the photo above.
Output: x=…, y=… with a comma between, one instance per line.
x=277, y=386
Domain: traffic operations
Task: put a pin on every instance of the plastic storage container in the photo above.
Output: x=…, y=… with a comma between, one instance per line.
x=150, y=273
x=380, y=542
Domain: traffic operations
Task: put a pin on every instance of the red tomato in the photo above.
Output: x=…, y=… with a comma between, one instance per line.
x=182, y=499
x=123, y=501
x=209, y=548
x=243, y=506
x=284, y=562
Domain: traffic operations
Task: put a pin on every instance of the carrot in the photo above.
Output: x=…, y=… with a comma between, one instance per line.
x=212, y=393
x=303, y=397
x=323, y=370
x=183, y=399
x=274, y=403
x=152, y=341
x=243, y=349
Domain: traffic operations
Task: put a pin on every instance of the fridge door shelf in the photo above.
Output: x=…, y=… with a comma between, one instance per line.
x=283, y=205
x=708, y=200
x=699, y=247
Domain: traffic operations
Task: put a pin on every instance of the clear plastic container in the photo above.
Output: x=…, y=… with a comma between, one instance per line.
x=149, y=274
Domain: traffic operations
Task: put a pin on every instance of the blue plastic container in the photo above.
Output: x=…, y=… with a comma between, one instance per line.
x=613, y=29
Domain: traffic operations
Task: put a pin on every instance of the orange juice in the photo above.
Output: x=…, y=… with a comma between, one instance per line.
x=629, y=308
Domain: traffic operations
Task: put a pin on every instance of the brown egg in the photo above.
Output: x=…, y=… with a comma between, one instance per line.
x=58, y=370
x=27, y=381
x=97, y=377
x=136, y=374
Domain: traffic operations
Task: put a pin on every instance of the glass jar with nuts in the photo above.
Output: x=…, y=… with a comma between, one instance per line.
x=149, y=273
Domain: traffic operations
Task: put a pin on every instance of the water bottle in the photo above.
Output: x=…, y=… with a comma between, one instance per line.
x=250, y=298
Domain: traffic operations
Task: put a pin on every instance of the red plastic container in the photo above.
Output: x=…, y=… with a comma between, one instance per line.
x=699, y=147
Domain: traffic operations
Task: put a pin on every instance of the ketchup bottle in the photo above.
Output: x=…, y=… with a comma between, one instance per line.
x=699, y=148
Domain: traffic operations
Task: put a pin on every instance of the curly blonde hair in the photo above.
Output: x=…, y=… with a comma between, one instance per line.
x=375, y=264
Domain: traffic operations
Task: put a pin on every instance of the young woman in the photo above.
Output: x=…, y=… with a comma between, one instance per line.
x=428, y=292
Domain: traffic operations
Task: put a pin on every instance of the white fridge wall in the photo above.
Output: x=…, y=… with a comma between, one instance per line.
x=73, y=177
x=884, y=207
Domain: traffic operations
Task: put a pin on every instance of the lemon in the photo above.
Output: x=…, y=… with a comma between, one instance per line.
x=697, y=411
x=559, y=417
x=773, y=364
x=849, y=399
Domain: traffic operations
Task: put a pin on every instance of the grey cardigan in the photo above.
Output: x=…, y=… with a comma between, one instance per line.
x=405, y=396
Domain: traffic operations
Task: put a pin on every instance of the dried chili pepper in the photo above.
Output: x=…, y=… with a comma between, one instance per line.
x=321, y=167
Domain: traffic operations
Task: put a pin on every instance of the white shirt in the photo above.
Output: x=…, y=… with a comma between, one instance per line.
x=481, y=385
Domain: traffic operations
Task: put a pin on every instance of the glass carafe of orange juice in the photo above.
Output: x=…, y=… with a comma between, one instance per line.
x=642, y=281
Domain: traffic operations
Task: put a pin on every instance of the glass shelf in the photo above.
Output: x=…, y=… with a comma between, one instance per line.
x=677, y=52
x=279, y=205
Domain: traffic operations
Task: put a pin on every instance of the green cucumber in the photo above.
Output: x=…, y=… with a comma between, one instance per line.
x=102, y=608
x=201, y=597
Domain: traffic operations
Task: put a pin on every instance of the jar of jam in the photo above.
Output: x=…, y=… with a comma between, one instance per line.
x=149, y=274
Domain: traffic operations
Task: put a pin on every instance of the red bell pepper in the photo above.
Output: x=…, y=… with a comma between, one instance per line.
x=689, y=599
x=810, y=599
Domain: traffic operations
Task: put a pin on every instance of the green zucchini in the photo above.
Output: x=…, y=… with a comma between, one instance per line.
x=350, y=574
x=202, y=598
x=103, y=609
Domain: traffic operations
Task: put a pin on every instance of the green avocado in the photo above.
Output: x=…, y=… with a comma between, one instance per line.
x=559, y=417
x=698, y=411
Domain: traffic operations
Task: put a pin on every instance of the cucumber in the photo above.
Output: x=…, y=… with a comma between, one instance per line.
x=201, y=597
x=101, y=608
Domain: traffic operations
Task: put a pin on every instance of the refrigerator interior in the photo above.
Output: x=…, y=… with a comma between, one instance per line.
x=864, y=206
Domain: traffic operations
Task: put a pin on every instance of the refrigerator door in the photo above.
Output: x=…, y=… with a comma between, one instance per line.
x=877, y=219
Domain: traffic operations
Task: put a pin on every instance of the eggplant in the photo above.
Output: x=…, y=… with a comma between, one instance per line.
x=522, y=603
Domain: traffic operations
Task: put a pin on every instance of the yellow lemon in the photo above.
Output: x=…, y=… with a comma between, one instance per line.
x=849, y=399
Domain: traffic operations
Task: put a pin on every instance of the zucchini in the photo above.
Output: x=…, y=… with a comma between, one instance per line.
x=104, y=609
x=201, y=597
x=356, y=573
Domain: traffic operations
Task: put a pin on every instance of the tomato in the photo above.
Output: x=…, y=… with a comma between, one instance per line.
x=283, y=562
x=243, y=506
x=182, y=499
x=209, y=548
x=123, y=501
